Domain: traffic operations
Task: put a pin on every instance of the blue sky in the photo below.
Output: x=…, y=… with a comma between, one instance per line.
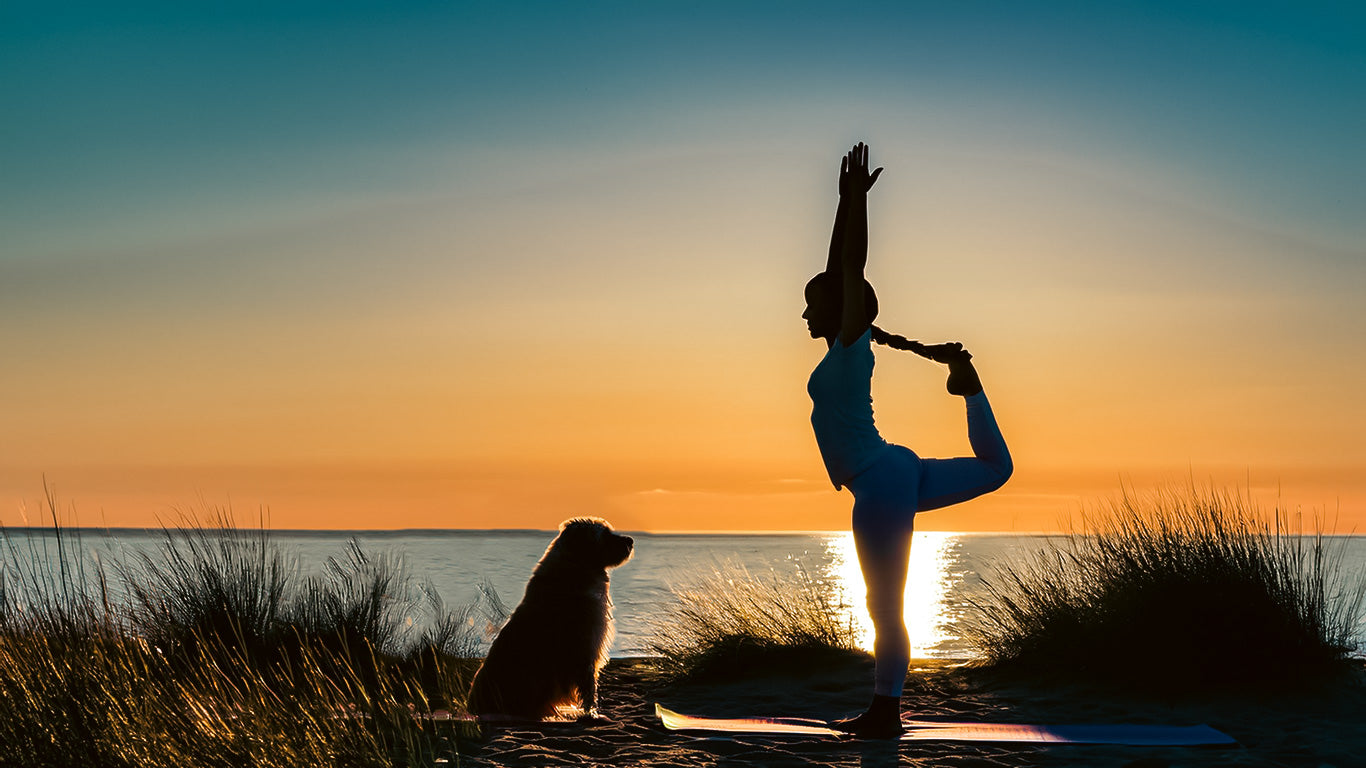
x=118, y=109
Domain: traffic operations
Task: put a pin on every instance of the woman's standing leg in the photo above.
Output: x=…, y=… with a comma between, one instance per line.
x=884, y=553
x=883, y=523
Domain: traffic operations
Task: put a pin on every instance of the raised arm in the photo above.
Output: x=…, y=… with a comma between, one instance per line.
x=855, y=181
x=832, y=263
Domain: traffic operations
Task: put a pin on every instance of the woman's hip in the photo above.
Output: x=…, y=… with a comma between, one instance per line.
x=892, y=481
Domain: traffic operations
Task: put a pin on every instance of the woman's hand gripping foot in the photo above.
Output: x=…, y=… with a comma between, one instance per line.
x=963, y=379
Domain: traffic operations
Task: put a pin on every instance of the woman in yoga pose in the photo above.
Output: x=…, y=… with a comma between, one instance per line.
x=890, y=483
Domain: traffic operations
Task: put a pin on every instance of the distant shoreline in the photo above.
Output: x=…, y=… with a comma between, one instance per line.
x=457, y=532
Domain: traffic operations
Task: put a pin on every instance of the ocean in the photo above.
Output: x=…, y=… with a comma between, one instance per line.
x=946, y=569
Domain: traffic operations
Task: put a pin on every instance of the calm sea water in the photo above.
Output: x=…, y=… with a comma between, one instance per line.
x=946, y=569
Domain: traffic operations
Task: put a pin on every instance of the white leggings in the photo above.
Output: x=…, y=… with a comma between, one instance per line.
x=886, y=497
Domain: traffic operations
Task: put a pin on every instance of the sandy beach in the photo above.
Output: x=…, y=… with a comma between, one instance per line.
x=1313, y=728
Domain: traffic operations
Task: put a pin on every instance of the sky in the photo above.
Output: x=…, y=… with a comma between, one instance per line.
x=494, y=265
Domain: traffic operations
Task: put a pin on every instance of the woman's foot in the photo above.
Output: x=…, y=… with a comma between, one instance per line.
x=881, y=721
x=963, y=378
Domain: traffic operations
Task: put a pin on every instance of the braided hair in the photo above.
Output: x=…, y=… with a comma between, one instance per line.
x=894, y=341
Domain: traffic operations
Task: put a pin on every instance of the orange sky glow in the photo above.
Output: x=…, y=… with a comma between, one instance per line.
x=476, y=302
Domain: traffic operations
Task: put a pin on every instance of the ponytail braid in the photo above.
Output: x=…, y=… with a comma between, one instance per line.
x=899, y=342
x=950, y=354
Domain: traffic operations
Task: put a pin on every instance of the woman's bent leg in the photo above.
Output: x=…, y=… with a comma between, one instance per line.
x=883, y=521
x=951, y=481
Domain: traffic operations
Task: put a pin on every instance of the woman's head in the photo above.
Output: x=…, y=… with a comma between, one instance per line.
x=825, y=305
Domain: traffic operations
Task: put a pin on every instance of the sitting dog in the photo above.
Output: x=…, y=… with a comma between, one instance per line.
x=549, y=652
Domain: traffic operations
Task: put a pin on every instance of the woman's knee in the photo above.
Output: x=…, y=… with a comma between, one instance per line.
x=998, y=468
x=1004, y=468
x=885, y=610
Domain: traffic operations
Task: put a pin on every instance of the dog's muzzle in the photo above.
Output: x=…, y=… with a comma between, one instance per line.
x=626, y=545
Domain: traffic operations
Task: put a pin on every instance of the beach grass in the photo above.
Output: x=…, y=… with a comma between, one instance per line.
x=734, y=622
x=1180, y=590
x=215, y=650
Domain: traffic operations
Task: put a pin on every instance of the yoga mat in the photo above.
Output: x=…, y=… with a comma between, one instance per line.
x=923, y=730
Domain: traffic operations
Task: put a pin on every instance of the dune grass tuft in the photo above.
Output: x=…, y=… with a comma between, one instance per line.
x=735, y=622
x=1180, y=590
x=216, y=652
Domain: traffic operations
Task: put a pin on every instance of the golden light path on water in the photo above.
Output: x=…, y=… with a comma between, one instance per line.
x=928, y=580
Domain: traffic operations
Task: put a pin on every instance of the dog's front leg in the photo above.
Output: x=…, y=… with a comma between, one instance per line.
x=588, y=696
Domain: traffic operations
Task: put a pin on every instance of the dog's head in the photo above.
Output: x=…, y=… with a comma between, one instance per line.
x=591, y=541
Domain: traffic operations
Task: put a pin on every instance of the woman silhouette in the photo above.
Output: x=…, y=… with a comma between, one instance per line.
x=890, y=483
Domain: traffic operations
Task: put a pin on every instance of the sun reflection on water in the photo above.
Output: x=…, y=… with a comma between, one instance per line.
x=928, y=580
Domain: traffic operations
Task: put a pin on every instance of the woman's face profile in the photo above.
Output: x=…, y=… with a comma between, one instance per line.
x=820, y=315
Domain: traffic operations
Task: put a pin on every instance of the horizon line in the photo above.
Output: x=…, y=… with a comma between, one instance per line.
x=664, y=532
